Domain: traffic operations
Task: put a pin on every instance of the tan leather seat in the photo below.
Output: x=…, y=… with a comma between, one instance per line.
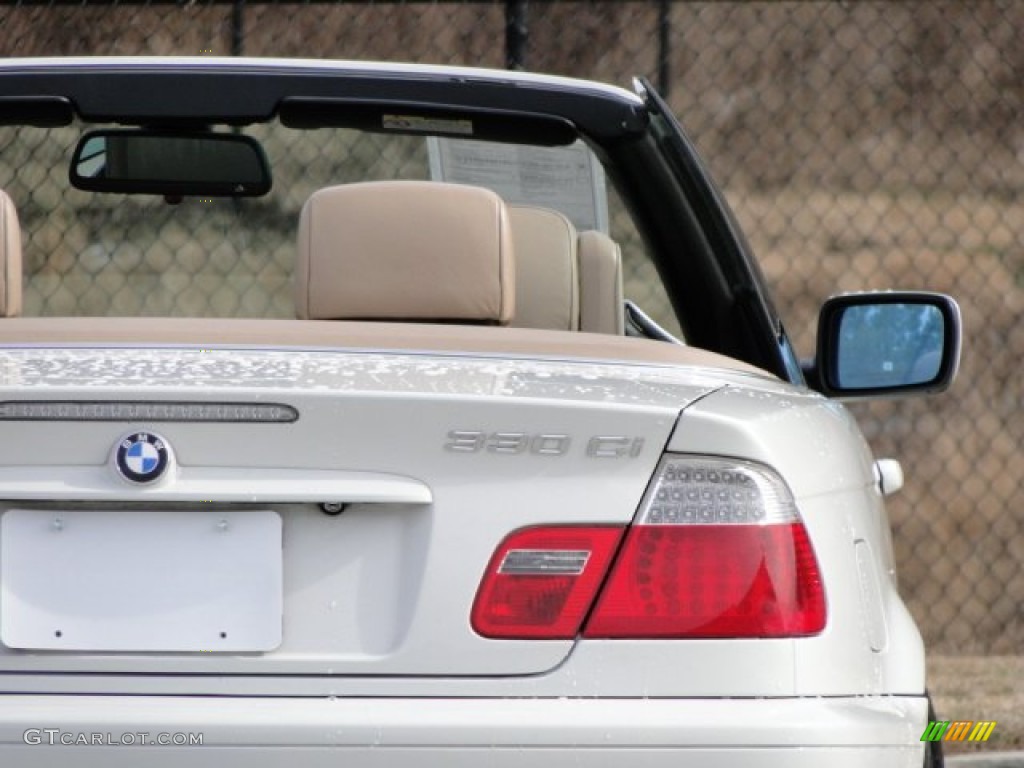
x=565, y=280
x=547, y=279
x=600, y=265
x=10, y=258
x=405, y=250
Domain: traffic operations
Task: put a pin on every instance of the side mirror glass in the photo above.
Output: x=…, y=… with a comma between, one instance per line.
x=161, y=163
x=888, y=343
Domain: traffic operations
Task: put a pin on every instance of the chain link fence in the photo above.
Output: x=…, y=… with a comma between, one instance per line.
x=863, y=145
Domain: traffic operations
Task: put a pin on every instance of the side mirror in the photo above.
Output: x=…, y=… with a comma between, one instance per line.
x=162, y=163
x=887, y=344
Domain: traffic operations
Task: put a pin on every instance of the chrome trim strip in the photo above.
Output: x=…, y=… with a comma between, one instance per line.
x=544, y=562
x=147, y=411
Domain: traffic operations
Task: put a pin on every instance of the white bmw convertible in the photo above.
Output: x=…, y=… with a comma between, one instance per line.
x=386, y=415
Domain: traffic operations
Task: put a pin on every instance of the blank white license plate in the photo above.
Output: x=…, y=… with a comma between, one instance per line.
x=141, y=580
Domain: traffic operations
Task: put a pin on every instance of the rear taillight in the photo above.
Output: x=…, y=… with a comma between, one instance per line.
x=717, y=550
x=541, y=582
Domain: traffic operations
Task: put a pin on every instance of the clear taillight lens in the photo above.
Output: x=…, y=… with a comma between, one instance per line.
x=717, y=550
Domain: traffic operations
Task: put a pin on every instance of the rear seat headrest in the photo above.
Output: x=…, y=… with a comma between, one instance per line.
x=547, y=283
x=601, y=299
x=405, y=250
x=10, y=258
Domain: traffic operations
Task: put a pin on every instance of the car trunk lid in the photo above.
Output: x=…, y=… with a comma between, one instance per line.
x=377, y=486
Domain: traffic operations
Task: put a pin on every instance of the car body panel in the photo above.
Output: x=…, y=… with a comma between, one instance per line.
x=338, y=625
x=506, y=732
x=816, y=446
x=366, y=591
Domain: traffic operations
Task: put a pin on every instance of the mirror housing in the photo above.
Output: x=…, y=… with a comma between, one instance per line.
x=202, y=164
x=887, y=344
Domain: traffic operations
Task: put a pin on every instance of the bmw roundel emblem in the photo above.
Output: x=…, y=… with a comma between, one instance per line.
x=142, y=457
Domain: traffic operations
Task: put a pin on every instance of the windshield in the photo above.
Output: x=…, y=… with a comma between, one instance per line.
x=90, y=253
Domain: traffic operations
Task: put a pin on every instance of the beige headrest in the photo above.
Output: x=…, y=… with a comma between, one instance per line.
x=600, y=284
x=547, y=284
x=405, y=250
x=10, y=258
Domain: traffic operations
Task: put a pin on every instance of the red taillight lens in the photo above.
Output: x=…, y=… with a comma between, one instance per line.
x=717, y=549
x=541, y=582
x=691, y=581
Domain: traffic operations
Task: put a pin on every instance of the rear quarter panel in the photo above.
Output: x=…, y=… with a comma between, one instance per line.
x=870, y=643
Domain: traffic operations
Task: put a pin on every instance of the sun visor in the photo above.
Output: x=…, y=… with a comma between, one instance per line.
x=39, y=111
x=426, y=120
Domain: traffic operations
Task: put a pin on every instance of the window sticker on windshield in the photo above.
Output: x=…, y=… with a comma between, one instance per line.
x=427, y=124
x=567, y=179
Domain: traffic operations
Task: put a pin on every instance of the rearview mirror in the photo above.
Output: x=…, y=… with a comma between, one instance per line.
x=876, y=344
x=167, y=163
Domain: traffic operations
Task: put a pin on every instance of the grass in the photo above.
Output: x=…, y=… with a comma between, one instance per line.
x=980, y=688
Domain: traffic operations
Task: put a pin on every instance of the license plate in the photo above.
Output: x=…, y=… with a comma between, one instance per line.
x=195, y=581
